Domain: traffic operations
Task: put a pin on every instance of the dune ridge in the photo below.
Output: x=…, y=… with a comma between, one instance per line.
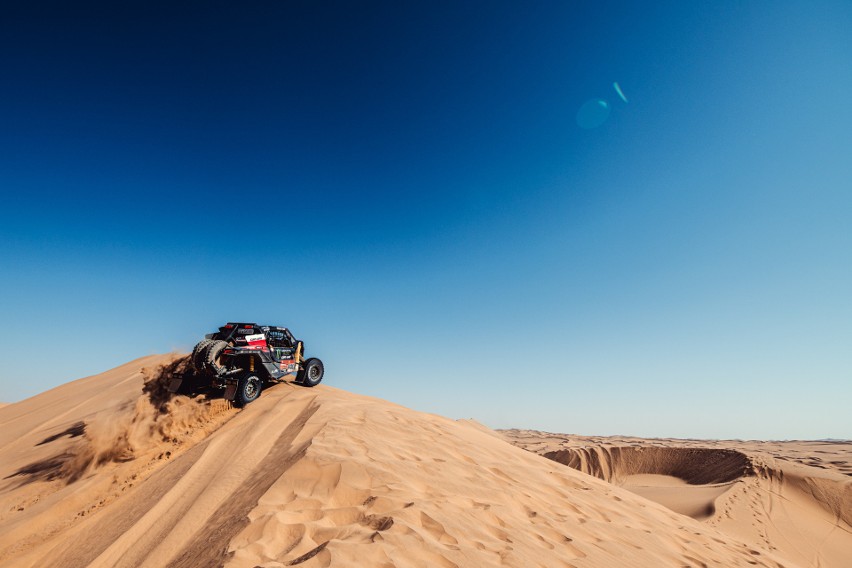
x=313, y=477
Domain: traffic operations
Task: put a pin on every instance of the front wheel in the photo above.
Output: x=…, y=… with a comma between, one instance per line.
x=248, y=389
x=312, y=373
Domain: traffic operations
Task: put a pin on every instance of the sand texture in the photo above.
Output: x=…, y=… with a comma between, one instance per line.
x=99, y=472
x=791, y=497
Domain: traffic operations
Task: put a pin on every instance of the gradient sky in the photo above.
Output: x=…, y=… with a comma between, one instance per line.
x=406, y=186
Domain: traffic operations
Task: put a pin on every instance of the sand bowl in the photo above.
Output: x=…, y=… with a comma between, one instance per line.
x=686, y=480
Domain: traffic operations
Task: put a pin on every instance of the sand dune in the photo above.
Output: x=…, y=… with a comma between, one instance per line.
x=98, y=473
x=794, y=498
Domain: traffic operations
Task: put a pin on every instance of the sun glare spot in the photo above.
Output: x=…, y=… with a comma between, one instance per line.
x=618, y=90
x=593, y=113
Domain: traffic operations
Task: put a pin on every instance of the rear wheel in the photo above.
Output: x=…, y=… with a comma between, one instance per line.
x=212, y=357
x=248, y=389
x=312, y=372
x=197, y=357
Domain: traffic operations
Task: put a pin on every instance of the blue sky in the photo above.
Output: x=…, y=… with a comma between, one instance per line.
x=406, y=186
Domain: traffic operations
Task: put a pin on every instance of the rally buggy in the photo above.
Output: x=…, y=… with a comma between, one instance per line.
x=242, y=358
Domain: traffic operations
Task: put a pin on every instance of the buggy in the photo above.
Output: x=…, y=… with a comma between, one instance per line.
x=243, y=358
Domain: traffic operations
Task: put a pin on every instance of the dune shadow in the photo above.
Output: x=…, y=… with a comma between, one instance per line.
x=47, y=469
x=74, y=431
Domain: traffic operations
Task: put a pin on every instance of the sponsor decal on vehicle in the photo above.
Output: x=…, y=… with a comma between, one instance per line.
x=245, y=331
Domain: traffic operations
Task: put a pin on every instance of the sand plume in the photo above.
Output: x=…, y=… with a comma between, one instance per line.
x=155, y=418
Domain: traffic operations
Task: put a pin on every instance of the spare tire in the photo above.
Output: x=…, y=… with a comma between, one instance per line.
x=197, y=357
x=212, y=361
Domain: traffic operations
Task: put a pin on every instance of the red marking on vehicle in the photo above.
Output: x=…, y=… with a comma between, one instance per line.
x=256, y=339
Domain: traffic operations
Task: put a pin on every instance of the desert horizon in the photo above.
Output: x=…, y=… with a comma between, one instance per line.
x=113, y=470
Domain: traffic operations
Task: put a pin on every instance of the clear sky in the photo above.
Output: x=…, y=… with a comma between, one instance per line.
x=418, y=190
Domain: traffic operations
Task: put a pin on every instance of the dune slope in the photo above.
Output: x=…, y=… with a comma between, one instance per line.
x=778, y=495
x=98, y=473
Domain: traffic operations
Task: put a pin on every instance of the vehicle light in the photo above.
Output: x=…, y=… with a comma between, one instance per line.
x=228, y=326
x=248, y=326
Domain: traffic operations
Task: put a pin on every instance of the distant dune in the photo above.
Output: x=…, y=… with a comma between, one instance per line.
x=97, y=472
x=792, y=497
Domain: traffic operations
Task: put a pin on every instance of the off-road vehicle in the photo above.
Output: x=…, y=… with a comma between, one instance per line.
x=243, y=358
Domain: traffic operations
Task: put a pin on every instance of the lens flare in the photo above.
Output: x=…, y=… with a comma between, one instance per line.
x=593, y=113
x=618, y=90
